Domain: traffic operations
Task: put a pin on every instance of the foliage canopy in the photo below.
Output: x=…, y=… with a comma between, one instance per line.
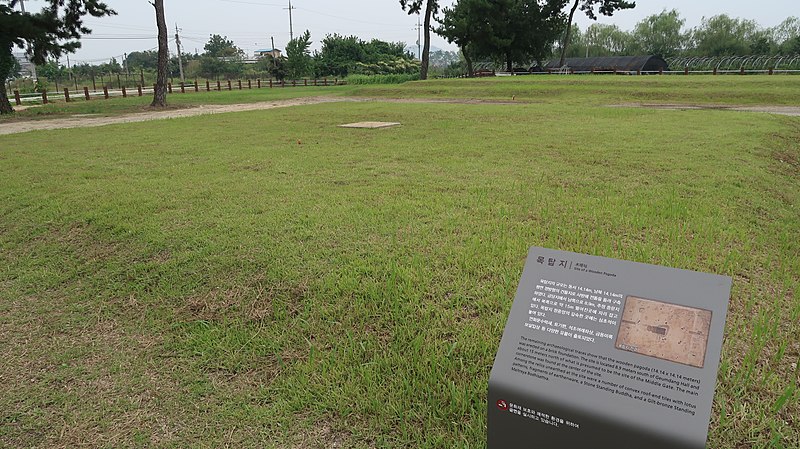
x=51, y=32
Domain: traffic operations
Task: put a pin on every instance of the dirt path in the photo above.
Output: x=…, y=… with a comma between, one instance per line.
x=88, y=121
x=793, y=111
x=85, y=121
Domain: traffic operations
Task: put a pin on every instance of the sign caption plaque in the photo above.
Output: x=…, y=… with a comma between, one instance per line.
x=600, y=352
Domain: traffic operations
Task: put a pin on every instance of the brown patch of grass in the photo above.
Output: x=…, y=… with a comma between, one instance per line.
x=253, y=303
x=321, y=436
x=78, y=238
x=66, y=386
x=787, y=155
x=789, y=160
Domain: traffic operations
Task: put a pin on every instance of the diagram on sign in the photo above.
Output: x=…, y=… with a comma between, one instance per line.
x=665, y=331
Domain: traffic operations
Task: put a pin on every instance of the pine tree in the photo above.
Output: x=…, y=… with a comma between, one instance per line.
x=49, y=33
x=160, y=92
x=606, y=8
x=431, y=8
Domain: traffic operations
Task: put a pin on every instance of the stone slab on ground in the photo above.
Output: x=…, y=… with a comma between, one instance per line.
x=370, y=125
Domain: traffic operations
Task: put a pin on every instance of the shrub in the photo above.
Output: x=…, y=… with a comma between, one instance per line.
x=382, y=79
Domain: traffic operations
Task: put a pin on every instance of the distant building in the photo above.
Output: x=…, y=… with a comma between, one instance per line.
x=274, y=52
x=27, y=69
x=612, y=64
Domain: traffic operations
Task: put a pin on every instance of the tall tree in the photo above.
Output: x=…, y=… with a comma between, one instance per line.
x=505, y=30
x=791, y=46
x=52, y=70
x=142, y=60
x=51, y=32
x=339, y=53
x=298, y=56
x=723, y=35
x=222, y=47
x=763, y=43
x=340, y=56
x=579, y=43
x=221, y=57
x=607, y=40
x=786, y=31
x=604, y=7
x=160, y=92
x=457, y=28
x=532, y=28
x=660, y=34
x=431, y=8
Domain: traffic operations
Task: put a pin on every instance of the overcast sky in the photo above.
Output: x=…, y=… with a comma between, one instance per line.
x=251, y=23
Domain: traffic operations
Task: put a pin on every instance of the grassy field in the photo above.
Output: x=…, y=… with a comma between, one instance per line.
x=576, y=90
x=266, y=279
x=134, y=104
x=595, y=90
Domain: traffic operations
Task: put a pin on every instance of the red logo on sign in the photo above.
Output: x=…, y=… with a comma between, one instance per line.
x=502, y=405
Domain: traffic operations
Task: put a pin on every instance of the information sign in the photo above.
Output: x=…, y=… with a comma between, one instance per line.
x=605, y=353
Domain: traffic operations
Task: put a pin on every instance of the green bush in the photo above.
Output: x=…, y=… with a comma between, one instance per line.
x=382, y=79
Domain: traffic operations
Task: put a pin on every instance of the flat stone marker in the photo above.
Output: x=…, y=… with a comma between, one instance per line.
x=370, y=125
x=605, y=353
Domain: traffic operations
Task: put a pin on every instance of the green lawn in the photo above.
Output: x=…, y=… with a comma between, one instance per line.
x=134, y=104
x=540, y=89
x=266, y=279
x=583, y=90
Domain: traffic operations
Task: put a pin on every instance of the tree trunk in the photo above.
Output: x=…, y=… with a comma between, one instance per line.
x=6, y=65
x=160, y=93
x=426, y=48
x=468, y=60
x=568, y=34
x=509, y=64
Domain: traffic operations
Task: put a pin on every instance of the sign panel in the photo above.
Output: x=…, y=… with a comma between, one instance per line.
x=600, y=352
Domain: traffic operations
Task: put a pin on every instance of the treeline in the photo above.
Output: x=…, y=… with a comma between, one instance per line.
x=523, y=32
x=339, y=56
x=507, y=32
x=665, y=35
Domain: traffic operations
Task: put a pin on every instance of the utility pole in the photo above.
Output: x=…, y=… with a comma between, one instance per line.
x=178, y=43
x=419, y=38
x=291, y=31
x=71, y=75
x=274, y=59
x=33, y=66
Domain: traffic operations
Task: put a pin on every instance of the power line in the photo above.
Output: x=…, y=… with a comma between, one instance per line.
x=94, y=23
x=347, y=18
x=253, y=3
x=117, y=38
x=107, y=58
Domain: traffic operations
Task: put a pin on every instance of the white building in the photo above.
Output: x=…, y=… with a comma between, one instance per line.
x=274, y=52
x=27, y=69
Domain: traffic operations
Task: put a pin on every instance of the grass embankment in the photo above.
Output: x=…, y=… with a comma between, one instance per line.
x=584, y=90
x=266, y=279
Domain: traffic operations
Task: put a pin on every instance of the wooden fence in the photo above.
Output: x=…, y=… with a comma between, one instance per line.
x=568, y=71
x=70, y=95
